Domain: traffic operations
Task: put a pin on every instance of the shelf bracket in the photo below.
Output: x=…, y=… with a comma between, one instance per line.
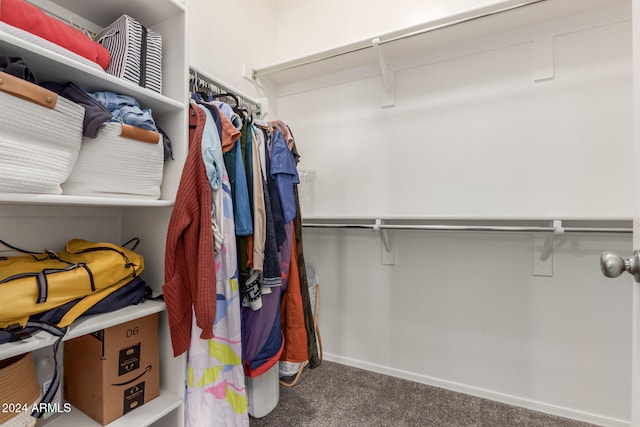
x=388, y=243
x=542, y=249
x=249, y=74
x=388, y=81
x=543, y=58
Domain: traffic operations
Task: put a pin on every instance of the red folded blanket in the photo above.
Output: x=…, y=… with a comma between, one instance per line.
x=27, y=17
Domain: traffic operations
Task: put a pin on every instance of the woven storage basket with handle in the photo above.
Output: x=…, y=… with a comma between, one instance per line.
x=123, y=161
x=40, y=135
x=19, y=390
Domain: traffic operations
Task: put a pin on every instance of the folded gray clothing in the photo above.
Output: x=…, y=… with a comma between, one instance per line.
x=17, y=67
x=95, y=114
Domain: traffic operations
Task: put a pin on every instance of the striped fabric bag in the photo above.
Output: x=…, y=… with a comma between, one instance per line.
x=136, y=52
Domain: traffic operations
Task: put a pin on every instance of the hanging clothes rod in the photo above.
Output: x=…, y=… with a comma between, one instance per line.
x=368, y=45
x=202, y=80
x=556, y=229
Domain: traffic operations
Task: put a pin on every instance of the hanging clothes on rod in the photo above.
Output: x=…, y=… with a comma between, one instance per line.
x=262, y=307
x=201, y=82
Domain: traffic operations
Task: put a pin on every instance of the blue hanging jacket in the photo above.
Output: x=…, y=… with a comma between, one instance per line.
x=284, y=172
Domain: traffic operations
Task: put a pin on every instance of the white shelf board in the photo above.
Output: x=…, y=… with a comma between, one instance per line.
x=51, y=66
x=64, y=200
x=103, y=13
x=84, y=325
x=439, y=33
x=143, y=416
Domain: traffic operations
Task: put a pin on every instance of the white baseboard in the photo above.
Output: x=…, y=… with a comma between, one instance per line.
x=483, y=393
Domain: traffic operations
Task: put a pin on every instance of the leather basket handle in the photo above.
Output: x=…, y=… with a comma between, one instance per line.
x=139, y=134
x=26, y=90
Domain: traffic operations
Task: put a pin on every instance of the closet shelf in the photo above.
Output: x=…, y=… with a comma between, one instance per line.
x=143, y=416
x=417, y=40
x=104, y=13
x=63, y=200
x=51, y=66
x=84, y=325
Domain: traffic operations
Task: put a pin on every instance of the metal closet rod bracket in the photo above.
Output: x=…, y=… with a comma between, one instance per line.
x=547, y=250
x=388, y=243
x=388, y=80
x=383, y=234
x=542, y=249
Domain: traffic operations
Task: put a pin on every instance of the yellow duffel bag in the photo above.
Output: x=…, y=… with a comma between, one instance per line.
x=35, y=282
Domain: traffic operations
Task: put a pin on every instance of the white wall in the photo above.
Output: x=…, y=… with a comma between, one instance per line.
x=463, y=311
x=224, y=36
x=472, y=133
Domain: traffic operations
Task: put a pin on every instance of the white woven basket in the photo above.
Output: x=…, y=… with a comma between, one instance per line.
x=113, y=165
x=40, y=135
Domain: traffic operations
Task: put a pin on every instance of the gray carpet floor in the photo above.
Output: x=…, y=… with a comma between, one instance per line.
x=338, y=395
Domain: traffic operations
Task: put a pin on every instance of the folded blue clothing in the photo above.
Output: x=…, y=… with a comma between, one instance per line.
x=125, y=109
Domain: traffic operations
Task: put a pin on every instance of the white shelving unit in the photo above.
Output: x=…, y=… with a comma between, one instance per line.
x=35, y=221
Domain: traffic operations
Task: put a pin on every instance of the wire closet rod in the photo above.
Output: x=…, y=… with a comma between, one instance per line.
x=201, y=77
x=555, y=229
x=268, y=70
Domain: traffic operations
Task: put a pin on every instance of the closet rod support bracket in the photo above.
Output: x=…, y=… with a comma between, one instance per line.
x=250, y=74
x=543, y=53
x=542, y=254
x=542, y=249
x=388, y=243
x=388, y=80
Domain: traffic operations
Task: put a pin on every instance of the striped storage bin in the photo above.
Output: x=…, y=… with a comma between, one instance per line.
x=123, y=161
x=136, y=52
x=40, y=136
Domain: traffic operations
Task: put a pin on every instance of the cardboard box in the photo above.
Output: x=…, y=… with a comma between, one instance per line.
x=113, y=371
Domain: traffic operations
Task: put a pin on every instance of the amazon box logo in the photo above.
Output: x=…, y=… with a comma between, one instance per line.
x=133, y=397
x=129, y=359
